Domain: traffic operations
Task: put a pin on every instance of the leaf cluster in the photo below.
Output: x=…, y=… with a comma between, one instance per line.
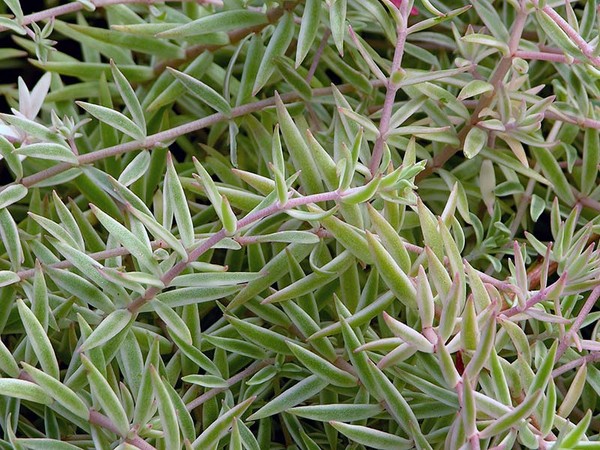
x=300, y=225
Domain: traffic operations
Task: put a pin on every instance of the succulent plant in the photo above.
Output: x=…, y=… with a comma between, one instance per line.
x=303, y=224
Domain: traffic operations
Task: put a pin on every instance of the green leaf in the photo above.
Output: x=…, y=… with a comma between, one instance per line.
x=55, y=230
x=166, y=411
x=145, y=406
x=7, y=278
x=591, y=159
x=330, y=271
x=159, y=232
x=131, y=41
x=556, y=34
x=573, y=437
x=371, y=437
x=112, y=325
x=491, y=19
x=487, y=41
x=129, y=97
x=302, y=391
x=179, y=204
x=390, y=239
x=24, y=390
x=81, y=288
x=91, y=71
x=298, y=237
x=237, y=346
x=68, y=221
x=299, y=151
x=474, y=142
x=322, y=368
x=194, y=295
x=291, y=75
x=203, y=91
x=175, y=324
x=106, y=397
x=278, y=44
x=186, y=424
x=12, y=194
x=12, y=25
x=214, y=279
x=408, y=334
x=62, y=394
x=260, y=336
x=46, y=444
x=15, y=7
x=514, y=417
x=211, y=436
x=7, y=362
x=228, y=216
x=338, y=412
x=504, y=159
x=7, y=151
x=128, y=240
x=251, y=66
x=360, y=317
x=337, y=20
x=11, y=239
x=213, y=23
x=350, y=237
x=39, y=303
x=309, y=26
x=208, y=381
x=166, y=90
x=553, y=172
x=115, y=119
x=136, y=169
x=544, y=372
x=392, y=274
x=40, y=343
x=33, y=128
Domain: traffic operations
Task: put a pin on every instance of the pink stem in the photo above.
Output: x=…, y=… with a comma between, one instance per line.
x=101, y=420
x=392, y=89
x=317, y=57
x=540, y=296
x=168, y=277
x=173, y=133
x=250, y=370
x=595, y=356
x=586, y=49
x=76, y=6
x=544, y=56
x=565, y=342
x=98, y=256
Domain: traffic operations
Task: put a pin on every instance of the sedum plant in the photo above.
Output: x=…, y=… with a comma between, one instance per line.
x=301, y=224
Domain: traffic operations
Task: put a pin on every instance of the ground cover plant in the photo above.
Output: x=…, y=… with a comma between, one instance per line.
x=304, y=224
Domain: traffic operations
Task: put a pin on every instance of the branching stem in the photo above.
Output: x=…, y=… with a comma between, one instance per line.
x=565, y=341
x=251, y=218
x=496, y=81
x=101, y=420
x=248, y=371
x=157, y=140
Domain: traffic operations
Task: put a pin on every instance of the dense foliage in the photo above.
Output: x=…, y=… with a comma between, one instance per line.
x=304, y=224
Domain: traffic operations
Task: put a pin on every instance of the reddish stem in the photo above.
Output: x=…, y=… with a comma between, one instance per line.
x=565, y=341
x=392, y=89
